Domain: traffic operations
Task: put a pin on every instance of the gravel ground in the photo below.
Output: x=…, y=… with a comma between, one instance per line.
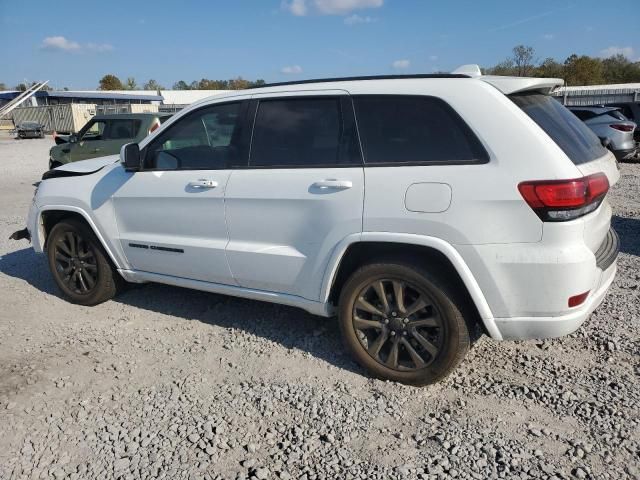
x=170, y=383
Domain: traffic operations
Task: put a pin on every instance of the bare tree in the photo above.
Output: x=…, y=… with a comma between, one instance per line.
x=523, y=60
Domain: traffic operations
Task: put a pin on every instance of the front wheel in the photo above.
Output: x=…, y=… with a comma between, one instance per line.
x=402, y=323
x=79, y=264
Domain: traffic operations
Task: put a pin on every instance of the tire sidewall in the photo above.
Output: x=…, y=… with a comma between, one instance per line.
x=456, y=335
x=104, y=280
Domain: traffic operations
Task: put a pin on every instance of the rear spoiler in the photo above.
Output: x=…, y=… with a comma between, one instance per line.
x=509, y=85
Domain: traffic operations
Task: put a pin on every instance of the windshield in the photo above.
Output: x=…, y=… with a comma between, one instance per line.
x=576, y=139
x=30, y=125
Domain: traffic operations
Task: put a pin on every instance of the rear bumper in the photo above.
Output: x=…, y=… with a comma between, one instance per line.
x=523, y=328
x=625, y=154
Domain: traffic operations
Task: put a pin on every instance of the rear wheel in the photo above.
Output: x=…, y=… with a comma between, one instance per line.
x=79, y=264
x=402, y=323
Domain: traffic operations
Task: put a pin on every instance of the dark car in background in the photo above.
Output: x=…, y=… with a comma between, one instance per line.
x=614, y=129
x=30, y=130
x=104, y=135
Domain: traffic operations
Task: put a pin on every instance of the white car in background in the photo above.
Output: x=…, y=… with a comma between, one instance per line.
x=422, y=210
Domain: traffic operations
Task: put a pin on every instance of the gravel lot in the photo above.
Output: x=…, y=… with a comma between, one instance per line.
x=170, y=383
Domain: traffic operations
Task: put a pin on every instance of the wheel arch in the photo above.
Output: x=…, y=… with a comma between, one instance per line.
x=367, y=247
x=51, y=215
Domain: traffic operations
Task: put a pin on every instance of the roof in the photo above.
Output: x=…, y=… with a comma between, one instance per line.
x=150, y=96
x=133, y=116
x=613, y=86
x=594, y=109
x=186, y=97
x=368, y=77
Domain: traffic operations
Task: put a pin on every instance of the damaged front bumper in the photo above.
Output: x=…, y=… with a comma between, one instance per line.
x=21, y=234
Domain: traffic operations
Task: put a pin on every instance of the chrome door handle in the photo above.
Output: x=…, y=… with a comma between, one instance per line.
x=333, y=184
x=203, y=183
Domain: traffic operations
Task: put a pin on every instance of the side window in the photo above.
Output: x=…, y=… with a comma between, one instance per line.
x=398, y=129
x=206, y=139
x=94, y=132
x=303, y=132
x=122, y=129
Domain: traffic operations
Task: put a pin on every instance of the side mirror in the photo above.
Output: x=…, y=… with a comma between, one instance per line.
x=73, y=138
x=130, y=157
x=605, y=142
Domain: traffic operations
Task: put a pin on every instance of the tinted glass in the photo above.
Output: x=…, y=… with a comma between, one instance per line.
x=576, y=139
x=397, y=129
x=617, y=114
x=122, y=129
x=94, y=131
x=203, y=140
x=302, y=132
x=583, y=114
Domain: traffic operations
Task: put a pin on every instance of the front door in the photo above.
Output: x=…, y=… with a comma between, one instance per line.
x=171, y=215
x=90, y=141
x=300, y=194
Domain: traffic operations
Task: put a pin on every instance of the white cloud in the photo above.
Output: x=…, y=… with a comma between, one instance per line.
x=401, y=64
x=291, y=70
x=548, y=36
x=611, y=51
x=301, y=8
x=62, y=44
x=356, y=19
x=59, y=43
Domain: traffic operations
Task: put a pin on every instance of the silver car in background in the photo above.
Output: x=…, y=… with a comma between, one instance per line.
x=612, y=127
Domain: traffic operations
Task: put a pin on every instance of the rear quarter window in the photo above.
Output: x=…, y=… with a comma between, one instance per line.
x=575, y=139
x=414, y=130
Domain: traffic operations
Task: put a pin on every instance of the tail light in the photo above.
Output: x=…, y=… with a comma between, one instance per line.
x=562, y=200
x=622, y=127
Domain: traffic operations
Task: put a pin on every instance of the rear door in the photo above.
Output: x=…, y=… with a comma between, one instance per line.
x=300, y=194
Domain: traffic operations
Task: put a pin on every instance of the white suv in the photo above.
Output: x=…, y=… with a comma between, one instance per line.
x=423, y=210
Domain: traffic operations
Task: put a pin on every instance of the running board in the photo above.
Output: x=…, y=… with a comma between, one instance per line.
x=313, y=307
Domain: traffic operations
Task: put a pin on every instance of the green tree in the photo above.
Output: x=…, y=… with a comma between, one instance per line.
x=130, y=84
x=181, y=85
x=21, y=87
x=152, y=85
x=110, y=82
x=238, y=84
x=619, y=69
x=505, y=67
x=3, y=86
x=549, y=68
x=583, y=70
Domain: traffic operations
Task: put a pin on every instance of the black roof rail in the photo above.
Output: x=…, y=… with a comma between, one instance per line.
x=369, y=77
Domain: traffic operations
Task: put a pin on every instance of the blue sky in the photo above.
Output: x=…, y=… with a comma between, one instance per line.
x=73, y=44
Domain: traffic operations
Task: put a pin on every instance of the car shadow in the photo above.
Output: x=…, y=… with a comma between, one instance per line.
x=628, y=230
x=290, y=327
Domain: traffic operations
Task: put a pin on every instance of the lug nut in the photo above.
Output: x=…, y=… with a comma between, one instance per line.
x=386, y=320
x=404, y=333
x=393, y=314
x=393, y=333
x=406, y=320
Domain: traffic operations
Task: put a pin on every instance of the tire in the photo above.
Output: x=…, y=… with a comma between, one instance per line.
x=437, y=332
x=79, y=264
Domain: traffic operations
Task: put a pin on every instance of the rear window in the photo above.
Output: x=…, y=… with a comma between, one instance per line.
x=579, y=143
x=409, y=130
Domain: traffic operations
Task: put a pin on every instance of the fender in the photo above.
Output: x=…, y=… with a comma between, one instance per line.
x=37, y=232
x=437, y=244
